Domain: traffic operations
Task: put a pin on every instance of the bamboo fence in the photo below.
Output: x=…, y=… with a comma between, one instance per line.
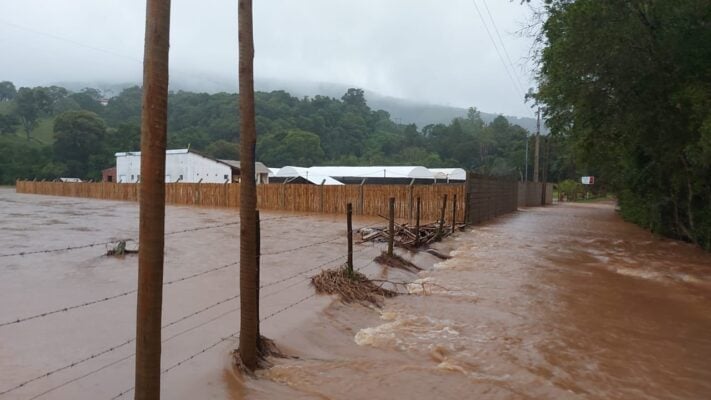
x=367, y=200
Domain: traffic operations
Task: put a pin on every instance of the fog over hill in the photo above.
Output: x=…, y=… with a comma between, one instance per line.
x=402, y=110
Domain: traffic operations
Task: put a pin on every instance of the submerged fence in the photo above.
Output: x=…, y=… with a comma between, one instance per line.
x=369, y=200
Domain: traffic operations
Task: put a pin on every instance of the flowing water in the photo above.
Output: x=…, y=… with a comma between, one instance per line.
x=558, y=302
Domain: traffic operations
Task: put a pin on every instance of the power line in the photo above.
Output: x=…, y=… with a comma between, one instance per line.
x=496, y=47
x=503, y=46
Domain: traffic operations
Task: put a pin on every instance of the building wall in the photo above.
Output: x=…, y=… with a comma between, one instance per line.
x=108, y=175
x=531, y=194
x=489, y=197
x=190, y=166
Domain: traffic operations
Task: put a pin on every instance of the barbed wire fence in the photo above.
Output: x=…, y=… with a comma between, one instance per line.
x=120, y=345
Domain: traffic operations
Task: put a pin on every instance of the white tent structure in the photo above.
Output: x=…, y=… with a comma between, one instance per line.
x=449, y=174
x=307, y=174
x=407, y=172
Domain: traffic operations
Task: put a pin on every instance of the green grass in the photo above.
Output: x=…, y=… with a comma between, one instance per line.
x=5, y=107
x=44, y=133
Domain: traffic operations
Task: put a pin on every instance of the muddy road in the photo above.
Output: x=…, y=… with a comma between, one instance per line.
x=562, y=302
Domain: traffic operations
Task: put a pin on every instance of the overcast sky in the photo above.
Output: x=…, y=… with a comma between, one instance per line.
x=435, y=51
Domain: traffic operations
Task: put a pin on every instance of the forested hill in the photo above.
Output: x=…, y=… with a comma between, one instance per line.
x=401, y=111
x=50, y=131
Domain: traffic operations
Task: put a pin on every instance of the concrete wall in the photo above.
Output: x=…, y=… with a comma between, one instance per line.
x=532, y=194
x=489, y=197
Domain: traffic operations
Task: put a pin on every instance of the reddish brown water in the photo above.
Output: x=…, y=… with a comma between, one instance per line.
x=557, y=302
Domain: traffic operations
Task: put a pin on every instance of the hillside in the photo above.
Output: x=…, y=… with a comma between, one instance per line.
x=76, y=136
x=402, y=111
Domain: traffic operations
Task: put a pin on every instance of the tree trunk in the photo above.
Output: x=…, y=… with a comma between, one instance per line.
x=152, y=200
x=249, y=315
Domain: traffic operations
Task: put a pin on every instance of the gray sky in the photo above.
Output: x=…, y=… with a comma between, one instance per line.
x=435, y=51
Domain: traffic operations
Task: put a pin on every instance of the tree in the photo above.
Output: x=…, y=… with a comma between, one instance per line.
x=248, y=276
x=79, y=136
x=127, y=137
x=223, y=150
x=7, y=91
x=297, y=147
x=30, y=104
x=87, y=101
x=154, y=126
x=8, y=123
x=355, y=98
x=627, y=83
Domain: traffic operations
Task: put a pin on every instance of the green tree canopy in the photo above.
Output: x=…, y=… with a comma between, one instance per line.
x=629, y=84
x=80, y=143
x=7, y=91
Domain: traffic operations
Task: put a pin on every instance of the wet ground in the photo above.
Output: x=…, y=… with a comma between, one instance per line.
x=560, y=302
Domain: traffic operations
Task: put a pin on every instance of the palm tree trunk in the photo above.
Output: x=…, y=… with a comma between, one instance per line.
x=152, y=200
x=249, y=315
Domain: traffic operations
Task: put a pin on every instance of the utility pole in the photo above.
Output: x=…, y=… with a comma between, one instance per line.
x=249, y=314
x=537, y=149
x=525, y=179
x=151, y=239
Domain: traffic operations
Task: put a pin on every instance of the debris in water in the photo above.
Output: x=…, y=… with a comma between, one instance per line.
x=396, y=261
x=408, y=236
x=350, y=286
x=120, y=250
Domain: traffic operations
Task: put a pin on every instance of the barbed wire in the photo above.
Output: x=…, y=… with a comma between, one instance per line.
x=217, y=343
x=68, y=248
x=116, y=347
x=183, y=318
x=94, y=244
x=310, y=269
x=287, y=307
x=116, y=296
x=273, y=253
x=192, y=276
x=174, y=322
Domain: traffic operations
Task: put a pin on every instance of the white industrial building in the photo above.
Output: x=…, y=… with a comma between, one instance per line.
x=185, y=165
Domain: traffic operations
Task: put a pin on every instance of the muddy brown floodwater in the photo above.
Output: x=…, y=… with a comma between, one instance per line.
x=564, y=302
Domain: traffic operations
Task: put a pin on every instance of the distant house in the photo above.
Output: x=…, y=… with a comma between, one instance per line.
x=185, y=165
x=108, y=175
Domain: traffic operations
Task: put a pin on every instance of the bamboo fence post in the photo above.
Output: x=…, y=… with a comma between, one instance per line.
x=391, y=226
x=409, y=206
x=417, y=223
x=454, y=212
x=349, y=232
x=441, y=217
x=360, y=199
